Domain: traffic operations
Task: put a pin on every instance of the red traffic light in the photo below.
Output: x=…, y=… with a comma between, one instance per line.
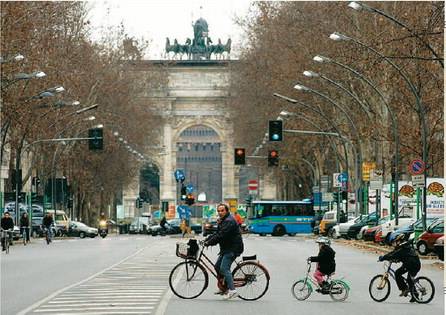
x=273, y=153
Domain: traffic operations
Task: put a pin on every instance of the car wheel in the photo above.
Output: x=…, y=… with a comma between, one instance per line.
x=34, y=234
x=359, y=235
x=82, y=235
x=291, y=234
x=262, y=234
x=422, y=248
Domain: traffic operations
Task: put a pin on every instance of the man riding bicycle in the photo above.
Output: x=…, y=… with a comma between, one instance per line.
x=404, y=253
x=229, y=238
x=7, y=224
x=47, y=223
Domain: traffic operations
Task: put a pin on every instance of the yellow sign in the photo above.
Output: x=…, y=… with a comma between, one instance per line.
x=232, y=205
x=367, y=167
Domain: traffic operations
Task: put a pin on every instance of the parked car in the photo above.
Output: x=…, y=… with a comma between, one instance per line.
x=173, y=227
x=139, y=225
x=439, y=247
x=82, y=230
x=328, y=221
x=390, y=226
x=210, y=227
x=409, y=228
x=379, y=237
x=369, y=234
x=356, y=230
x=426, y=241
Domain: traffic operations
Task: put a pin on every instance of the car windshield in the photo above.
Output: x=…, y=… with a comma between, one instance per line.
x=79, y=224
x=383, y=220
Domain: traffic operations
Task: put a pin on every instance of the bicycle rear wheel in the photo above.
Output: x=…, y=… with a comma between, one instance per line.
x=423, y=290
x=338, y=291
x=7, y=245
x=251, y=280
x=379, y=288
x=301, y=290
x=188, y=279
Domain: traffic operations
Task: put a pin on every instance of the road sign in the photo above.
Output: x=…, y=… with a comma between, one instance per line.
x=366, y=169
x=337, y=180
x=252, y=184
x=416, y=167
x=418, y=181
x=376, y=180
x=327, y=197
x=179, y=175
x=183, y=211
x=189, y=188
x=325, y=181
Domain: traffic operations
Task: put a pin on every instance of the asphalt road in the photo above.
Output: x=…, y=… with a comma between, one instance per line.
x=129, y=275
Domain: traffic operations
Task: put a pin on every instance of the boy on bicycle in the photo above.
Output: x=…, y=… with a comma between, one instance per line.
x=404, y=253
x=326, y=262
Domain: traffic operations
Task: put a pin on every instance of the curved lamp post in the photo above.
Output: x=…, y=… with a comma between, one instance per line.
x=303, y=88
x=326, y=118
x=394, y=121
x=421, y=111
x=312, y=74
x=358, y=6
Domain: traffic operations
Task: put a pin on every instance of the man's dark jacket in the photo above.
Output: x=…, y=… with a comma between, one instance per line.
x=7, y=223
x=47, y=221
x=406, y=254
x=326, y=260
x=228, y=236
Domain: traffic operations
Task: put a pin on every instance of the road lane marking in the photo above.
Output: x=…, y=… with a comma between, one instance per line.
x=49, y=297
x=92, y=309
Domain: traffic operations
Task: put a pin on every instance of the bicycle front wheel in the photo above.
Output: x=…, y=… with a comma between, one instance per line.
x=423, y=290
x=188, y=279
x=301, y=290
x=338, y=291
x=251, y=280
x=379, y=288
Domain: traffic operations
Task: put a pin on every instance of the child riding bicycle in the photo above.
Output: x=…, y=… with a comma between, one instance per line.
x=404, y=253
x=326, y=262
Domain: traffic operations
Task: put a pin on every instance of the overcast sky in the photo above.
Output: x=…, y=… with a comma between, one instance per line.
x=157, y=19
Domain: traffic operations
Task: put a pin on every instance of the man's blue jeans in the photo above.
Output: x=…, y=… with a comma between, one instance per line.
x=223, y=267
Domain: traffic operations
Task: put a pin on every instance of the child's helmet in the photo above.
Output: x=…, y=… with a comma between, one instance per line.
x=323, y=240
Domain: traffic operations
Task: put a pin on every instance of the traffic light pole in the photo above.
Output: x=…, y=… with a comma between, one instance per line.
x=17, y=166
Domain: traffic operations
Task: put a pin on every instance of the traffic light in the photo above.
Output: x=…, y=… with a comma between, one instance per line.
x=275, y=130
x=239, y=156
x=336, y=197
x=190, y=199
x=248, y=200
x=183, y=192
x=344, y=196
x=138, y=203
x=273, y=158
x=97, y=142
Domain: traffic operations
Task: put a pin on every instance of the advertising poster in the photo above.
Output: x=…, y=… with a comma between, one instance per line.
x=435, y=197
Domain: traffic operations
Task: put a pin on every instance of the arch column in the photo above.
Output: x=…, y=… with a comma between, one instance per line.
x=168, y=163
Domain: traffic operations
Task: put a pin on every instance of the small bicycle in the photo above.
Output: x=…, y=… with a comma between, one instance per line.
x=338, y=289
x=190, y=278
x=423, y=289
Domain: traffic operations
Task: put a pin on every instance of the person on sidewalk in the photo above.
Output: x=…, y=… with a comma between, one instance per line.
x=229, y=238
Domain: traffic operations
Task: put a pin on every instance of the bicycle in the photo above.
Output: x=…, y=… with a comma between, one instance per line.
x=47, y=233
x=190, y=278
x=25, y=231
x=379, y=287
x=5, y=236
x=338, y=289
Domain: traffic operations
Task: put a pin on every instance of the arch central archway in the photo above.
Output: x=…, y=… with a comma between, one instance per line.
x=199, y=156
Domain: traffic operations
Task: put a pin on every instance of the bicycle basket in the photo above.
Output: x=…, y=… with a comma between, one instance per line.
x=187, y=250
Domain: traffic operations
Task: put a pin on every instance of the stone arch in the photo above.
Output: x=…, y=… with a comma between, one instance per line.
x=189, y=123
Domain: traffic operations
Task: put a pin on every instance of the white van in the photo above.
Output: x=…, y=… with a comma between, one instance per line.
x=61, y=221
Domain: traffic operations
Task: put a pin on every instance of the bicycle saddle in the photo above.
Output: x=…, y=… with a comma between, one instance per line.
x=253, y=257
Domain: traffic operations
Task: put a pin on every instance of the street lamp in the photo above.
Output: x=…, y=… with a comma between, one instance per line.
x=421, y=111
x=303, y=88
x=17, y=57
x=359, y=6
x=394, y=121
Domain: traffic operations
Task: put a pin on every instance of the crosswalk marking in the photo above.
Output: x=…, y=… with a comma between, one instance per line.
x=135, y=286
